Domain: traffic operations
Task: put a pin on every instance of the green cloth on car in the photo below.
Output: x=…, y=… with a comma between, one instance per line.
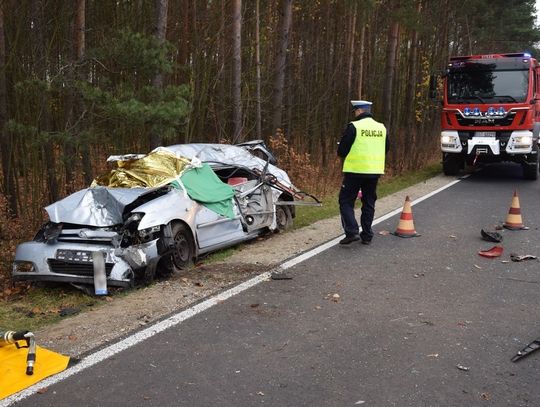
x=203, y=185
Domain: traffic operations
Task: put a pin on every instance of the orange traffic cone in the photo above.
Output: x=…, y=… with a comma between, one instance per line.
x=406, y=225
x=513, y=220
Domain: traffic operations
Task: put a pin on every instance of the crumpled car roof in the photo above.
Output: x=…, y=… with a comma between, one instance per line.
x=226, y=154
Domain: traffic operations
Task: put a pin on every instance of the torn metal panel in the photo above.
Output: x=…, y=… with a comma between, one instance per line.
x=98, y=206
x=495, y=251
x=527, y=350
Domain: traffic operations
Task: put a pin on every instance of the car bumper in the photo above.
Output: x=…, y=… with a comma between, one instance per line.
x=37, y=261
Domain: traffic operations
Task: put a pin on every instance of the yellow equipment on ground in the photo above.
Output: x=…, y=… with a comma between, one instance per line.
x=23, y=364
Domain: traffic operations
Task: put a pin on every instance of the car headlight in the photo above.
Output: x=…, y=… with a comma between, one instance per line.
x=149, y=233
x=132, y=223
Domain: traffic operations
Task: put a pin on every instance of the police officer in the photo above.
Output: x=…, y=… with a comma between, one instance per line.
x=362, y=148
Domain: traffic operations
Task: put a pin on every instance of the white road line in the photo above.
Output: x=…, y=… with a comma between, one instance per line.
x=180, y=317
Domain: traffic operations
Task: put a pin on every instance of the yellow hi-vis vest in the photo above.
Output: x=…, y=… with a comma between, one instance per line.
x=368, y=150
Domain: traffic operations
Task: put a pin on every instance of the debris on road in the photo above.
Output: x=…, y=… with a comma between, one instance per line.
x=433, y=355
x=478, y=267
x=517, y=257
x=464, y=368
x=280, y=276
x=527, y=350
x=333, y=297
x=495, y=251
x=485, y=396
x=384, y=233
x=495, y=237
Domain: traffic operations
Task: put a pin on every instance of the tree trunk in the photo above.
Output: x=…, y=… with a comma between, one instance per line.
x=410, y=94
x=391, y=51
x=75, y=102
x=8, y=186
x=258, y=117
x=41, y=65
x=351, y=60
x=80, y=54
x=281, y=59
x=237, y=71
x=361, y=62
x=157, y=81
x=160, y=33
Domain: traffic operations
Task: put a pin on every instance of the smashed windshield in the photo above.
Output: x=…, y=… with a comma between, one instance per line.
x=481, y=83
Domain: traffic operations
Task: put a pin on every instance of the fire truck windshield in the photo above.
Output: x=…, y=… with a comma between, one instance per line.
x=484, y=83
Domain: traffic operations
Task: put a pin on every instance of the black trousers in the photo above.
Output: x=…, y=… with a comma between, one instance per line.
x=352, y=183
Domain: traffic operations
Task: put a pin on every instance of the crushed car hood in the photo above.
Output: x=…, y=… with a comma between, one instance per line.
x=99, y=206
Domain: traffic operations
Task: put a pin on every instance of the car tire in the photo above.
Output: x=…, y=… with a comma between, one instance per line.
x=284, y=218
x=183, y=253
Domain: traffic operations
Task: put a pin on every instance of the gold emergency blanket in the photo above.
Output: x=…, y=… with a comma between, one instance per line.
x=155, y=169
x=13, y=377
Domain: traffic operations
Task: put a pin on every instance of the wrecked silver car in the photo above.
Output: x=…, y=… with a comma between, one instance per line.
x=154, y=214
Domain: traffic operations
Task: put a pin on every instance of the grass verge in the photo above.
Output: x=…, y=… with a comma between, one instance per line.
x=43, y=305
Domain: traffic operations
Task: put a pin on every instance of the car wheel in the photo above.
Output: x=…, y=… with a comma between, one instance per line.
x=183, y=253
x=284, y=218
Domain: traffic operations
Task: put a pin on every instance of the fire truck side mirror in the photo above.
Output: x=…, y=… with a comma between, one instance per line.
x=433, y=86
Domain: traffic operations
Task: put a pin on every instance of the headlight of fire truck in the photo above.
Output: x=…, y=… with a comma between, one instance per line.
x=520, y=142
x=450, y=141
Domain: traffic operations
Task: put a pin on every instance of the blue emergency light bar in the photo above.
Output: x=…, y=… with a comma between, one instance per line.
x=492, y=56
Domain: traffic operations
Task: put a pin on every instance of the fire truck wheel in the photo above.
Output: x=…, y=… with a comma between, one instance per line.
x=530, y=170
x=451, y=164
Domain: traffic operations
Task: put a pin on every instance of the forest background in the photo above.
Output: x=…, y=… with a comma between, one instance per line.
x=83, y=79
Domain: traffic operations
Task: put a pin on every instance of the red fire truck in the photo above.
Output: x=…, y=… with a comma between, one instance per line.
x=491, y=112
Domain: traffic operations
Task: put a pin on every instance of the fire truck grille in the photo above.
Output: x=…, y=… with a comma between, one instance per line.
x=486, y=121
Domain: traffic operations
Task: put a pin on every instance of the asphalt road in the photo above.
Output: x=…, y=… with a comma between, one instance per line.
x=409, y=312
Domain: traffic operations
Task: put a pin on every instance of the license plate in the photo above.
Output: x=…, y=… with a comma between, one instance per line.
x=484, y=134
x=76, y=256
